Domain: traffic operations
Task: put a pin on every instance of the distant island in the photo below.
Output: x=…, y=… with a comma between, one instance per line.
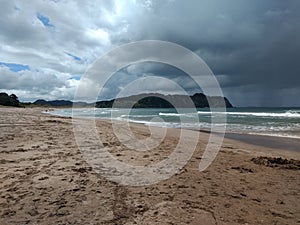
x=152, y=100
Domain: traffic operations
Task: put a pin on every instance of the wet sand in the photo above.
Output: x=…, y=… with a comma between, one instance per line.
x=45, y=179
x=284, y=143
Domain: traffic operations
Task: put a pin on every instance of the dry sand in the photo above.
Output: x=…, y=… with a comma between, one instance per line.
x=45, y=180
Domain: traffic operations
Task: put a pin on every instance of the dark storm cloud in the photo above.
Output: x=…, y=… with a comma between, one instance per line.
x=136, y=71
x=251, y=46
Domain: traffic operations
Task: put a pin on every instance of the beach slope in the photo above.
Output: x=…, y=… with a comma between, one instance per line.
x=45, y=179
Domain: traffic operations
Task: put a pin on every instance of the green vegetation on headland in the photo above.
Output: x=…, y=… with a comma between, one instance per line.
x=9, y=100
x=153, y=100
x=166, y=101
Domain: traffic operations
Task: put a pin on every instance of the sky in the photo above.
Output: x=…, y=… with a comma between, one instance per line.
x=252, y=47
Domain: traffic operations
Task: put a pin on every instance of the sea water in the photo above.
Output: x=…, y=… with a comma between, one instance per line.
x=283, y=122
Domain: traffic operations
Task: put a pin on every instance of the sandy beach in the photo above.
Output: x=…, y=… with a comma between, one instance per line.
x=45, y=179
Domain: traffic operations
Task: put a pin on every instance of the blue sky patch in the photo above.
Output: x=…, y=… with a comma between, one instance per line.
x=75, y=77
x=45, y=20
x=74, y=56
x=15, y=67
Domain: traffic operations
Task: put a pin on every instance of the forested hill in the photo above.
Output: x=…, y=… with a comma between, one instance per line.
x=164, y=101
x=153, y=100
x=9, y=100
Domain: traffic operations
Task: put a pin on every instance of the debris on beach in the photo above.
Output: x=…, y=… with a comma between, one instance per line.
x=279, y=162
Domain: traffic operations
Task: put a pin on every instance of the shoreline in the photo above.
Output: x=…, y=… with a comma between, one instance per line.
x=45, y=179
x=263, y=140
x=283, y=143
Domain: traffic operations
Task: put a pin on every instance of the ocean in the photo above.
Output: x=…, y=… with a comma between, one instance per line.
x=282, y=122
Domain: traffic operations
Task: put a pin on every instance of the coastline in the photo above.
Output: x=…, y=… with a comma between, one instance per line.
x=45, y=179
x=245, y=135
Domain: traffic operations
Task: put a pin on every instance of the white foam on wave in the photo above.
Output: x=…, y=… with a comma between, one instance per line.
x=177, y=114
x=289, y=114
x=170, y=114
x=275, y=135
